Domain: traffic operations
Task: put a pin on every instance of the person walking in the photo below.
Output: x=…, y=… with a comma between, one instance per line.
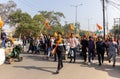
x=91, y=48
x=84, y=43
x=73, y=43
x=59, y=50
x=112, y=50
x=31, y=46
x=49, y=46
x=100, y=47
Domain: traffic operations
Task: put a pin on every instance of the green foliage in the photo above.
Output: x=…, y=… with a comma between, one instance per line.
x=53, y=17
x=26, y=26
x=19, y=17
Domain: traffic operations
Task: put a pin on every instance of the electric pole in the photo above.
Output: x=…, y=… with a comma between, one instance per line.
x=76, y=24
x=104, y=18
x=76, y=6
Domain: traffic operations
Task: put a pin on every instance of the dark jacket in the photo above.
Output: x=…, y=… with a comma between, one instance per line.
x=91, y=45
x=100, y=46
x=84, y=44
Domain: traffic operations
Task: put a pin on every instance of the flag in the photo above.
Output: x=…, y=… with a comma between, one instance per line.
x=47, y=24
x=72, y=27
x=99, y=27
x=55, y=34
x=87, y=34
x=98, y=32
x=1, y=23
x=69, y=34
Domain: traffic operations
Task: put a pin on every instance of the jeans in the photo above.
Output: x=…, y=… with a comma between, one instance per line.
x=49, y=51
x=3, y=43
x=74, y=51
x=90, y=55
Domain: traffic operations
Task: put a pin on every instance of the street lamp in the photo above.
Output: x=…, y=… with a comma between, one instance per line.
x=76, y=6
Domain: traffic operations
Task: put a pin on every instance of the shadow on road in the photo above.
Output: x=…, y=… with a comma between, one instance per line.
x=46, y=69
x=112, y=71
x=38, y=58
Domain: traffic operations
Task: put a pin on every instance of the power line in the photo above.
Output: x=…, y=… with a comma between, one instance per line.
x=117, y=1
x=28, y=6
x=113, y=3
x=115, y=7
x=36, y=6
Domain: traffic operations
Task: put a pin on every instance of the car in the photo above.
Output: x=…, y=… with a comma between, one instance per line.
x=18, y=41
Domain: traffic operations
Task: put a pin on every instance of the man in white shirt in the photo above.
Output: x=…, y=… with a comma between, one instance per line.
x=73, y=42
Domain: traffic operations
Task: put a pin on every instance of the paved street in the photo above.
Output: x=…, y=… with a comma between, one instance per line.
x=37, y=67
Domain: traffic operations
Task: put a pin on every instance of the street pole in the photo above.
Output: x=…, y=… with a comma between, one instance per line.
x=76, y=14
x=76, y=7
x=104, y=18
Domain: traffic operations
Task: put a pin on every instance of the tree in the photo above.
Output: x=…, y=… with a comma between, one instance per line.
x=18, y=17
x=53, y=17
x=26, y=26
x=6, y=10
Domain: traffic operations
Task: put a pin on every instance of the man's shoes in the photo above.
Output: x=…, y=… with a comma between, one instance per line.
x=102, y=61
x=74, y=62
x=89, y=63
x=113, y=65
x=61, y=67
x=109, y=61
x=92, y=61
x=57, y=72
x=70, y=61
x=100, y=64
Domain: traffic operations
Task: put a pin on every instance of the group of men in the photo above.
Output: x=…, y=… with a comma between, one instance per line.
x=101, y=47
x=90, y=48
x=93, y=47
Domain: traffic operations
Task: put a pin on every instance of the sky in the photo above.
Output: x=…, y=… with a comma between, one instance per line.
x=90, y=10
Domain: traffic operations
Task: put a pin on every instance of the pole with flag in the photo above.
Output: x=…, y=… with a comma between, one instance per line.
x=99, y=27
x=72, y=27
x=46, y=24
x=1, y=25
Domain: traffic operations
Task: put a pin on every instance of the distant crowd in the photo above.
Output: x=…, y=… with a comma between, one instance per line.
x=87, y=47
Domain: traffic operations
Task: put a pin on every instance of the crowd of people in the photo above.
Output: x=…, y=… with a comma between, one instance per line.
x=69, y=46
x=90, y=46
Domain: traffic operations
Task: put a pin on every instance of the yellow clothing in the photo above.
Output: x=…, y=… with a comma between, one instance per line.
x=12, y=40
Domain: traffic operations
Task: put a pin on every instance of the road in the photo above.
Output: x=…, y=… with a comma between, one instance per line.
x=37, y=67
